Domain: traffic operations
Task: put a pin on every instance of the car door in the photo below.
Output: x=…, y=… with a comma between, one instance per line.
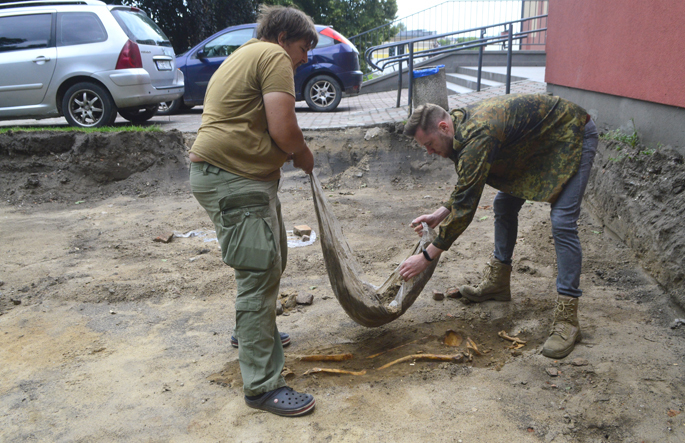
x=27, y=61
x=206, y=60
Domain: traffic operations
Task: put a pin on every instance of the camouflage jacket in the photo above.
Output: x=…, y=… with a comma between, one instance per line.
x=527, y=145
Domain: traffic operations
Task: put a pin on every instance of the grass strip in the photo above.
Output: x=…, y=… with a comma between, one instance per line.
x=132, y=128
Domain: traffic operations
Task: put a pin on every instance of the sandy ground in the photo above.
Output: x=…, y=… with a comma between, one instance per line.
x=106, y=335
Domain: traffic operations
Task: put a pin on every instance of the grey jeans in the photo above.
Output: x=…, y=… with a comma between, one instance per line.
x=564, y=216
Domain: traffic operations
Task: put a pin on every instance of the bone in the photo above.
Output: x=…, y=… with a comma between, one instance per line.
x=512, y=339
x=400, y=346
x=335, y=371
x=333, y=357
x=457, y=358
x=470, y=344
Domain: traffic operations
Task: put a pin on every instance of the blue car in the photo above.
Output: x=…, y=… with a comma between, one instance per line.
x=332, y=69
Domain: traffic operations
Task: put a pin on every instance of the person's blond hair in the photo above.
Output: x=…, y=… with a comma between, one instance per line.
x=296, y=24
x=425, y=117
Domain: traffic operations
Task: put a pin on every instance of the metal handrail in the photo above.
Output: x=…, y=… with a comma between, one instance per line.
x=480, y=43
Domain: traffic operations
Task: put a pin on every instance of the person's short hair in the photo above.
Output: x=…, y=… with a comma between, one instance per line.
x=296, y=24
x=425, y=117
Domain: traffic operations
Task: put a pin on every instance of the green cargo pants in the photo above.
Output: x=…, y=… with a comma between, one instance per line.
x=249, y=226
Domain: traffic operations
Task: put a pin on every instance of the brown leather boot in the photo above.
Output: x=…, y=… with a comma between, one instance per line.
x=495, y=284
x=565, y=330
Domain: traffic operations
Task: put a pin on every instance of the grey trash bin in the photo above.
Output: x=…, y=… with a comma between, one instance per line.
x=430, y=86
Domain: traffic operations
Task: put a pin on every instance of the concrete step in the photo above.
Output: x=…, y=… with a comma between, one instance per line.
x=488, y=73
x=535, y=73
x=453, y=88
x=470, y=82
x=465, y=80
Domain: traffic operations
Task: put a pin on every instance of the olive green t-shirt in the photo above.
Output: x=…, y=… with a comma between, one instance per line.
x=234, y=134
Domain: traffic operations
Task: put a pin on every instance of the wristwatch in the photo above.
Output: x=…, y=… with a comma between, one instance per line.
x=426, y=255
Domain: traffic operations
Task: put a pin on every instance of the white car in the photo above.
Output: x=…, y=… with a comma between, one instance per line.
x=85, y=60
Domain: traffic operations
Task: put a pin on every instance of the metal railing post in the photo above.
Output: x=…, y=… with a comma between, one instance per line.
x=509, y=54
x=480, y=43
x=400, y=50
x=523, y=15
x=411, y=73
x=480, y=60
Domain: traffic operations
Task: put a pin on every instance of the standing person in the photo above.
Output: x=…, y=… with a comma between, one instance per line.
x=529, y=147
x=249, y=129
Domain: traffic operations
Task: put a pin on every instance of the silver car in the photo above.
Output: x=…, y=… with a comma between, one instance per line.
x=85, y=60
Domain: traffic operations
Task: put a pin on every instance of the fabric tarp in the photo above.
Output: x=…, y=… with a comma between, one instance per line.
x=365, y=303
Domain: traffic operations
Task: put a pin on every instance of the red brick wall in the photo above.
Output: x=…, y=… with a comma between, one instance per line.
x=628, y=48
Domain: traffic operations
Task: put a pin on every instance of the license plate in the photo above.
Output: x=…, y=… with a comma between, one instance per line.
x=163, y=65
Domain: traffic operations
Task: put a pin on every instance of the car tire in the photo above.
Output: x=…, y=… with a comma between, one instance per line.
x=322, y=93
x=88, y=105
x=170, y=108
x=140, y=115
x=173, y=107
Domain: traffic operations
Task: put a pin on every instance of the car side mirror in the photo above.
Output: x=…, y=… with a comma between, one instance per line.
x=201, y=53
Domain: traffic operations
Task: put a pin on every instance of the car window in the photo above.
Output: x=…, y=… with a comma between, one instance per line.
x=140, y=28
x=77, y=28
x=225, y=44
x=19, y=32
x=325, y=41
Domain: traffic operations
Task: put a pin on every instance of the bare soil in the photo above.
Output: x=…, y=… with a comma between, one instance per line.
x=107, y=335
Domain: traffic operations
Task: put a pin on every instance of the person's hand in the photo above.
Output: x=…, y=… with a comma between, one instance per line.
x=413, y=266
x=304, y=160
x=430, y=220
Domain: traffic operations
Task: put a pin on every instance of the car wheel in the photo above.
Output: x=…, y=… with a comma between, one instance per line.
x=322, y=93
x=169, y=108
x=88, y=105
x=173, y=107
x=139, y=115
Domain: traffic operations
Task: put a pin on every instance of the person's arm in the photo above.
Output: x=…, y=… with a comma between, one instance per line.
x=473, y=169
x=284, y=130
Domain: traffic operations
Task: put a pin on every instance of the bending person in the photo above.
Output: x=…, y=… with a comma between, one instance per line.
x=529, y=147
x=249, y=129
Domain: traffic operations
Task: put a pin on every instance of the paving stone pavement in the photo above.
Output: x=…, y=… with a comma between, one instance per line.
x=362, y=110
x=379, y=107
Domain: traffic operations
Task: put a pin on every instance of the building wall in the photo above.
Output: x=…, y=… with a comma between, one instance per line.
x=656, y=124
x=627, y=48
x=533, y=8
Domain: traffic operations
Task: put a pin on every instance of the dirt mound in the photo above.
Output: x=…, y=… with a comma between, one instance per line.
x=38, y=167
x=638, y=195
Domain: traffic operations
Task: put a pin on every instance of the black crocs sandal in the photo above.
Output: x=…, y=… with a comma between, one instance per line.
x=283, y=401
x=285, y=340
